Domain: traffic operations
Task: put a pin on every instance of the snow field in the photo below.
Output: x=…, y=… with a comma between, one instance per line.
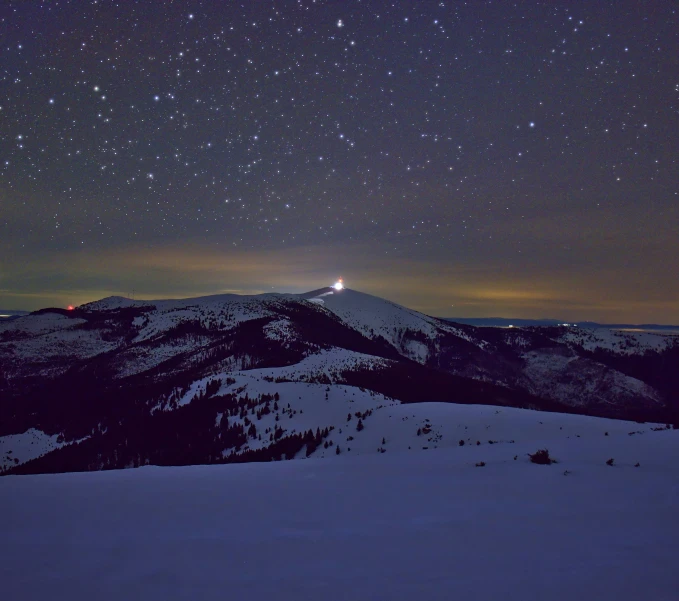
x=397, y=526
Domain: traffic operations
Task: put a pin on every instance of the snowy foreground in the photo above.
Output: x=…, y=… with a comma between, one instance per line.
x=399, y=525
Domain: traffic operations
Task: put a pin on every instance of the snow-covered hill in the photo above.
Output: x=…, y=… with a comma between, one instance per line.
x=373, y=316
x=241, y=378
x=475, y=522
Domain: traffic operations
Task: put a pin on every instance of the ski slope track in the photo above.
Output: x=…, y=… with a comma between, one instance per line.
x=229, y=379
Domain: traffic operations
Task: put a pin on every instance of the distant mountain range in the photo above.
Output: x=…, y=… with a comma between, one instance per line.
x=501, y=322
x=120, y=383
x=504, y=322
x=6, y=314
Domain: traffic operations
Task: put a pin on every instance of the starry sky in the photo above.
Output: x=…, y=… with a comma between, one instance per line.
x=481, y=158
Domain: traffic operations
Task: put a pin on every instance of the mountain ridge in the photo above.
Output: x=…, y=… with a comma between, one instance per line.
x=101, y=375
x=522, y=322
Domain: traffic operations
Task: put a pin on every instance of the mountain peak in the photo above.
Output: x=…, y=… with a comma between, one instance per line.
x=109, y=303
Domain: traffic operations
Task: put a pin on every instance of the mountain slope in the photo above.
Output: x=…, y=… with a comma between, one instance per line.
x=120, y=383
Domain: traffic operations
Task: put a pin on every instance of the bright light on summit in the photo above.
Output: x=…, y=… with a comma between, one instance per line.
x=339, y=284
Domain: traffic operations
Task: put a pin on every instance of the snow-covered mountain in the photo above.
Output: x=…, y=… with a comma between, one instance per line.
x=228, y=378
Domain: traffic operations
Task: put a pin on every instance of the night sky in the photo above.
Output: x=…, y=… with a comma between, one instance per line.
x=464, y=159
